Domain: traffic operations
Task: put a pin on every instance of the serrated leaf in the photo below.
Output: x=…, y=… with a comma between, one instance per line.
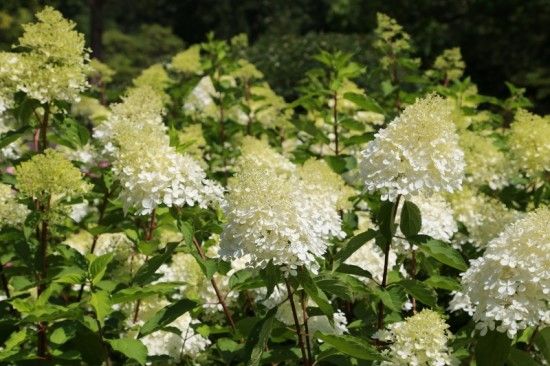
x=520, y=358
x=411, y=220
x=131, y=348
x=7, y=138
x=166, y=316
x=145, y=273
x=101, y=303
x=488, y=344
x=135, y=293
x=352, y=246
x=419, y=291
x=352, y=346
x=443, y=282
x=316, y=294
x=364, y=102
x=263, y=329
x=444, y=253
x=98, y=266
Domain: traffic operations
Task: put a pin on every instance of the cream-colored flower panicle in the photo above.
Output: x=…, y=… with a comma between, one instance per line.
x=50, y=176
x=485, y=163
x=188, y=61
x=510, y=284
x=530, y=143
x=417, y=153
x=421, y=340
x=53, y=62
x=151, y=172
x=272, y=216
x=12, y=213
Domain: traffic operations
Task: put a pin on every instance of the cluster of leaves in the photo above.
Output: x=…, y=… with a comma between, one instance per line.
x=61, y=306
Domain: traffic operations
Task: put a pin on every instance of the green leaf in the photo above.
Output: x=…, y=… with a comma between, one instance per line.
x=419, y=291
x=15, y=340
x=245, y=279
x=263, y=330
x=351, y=346
x=492, y=349
x=98, y=266
x=186, y=229
x=520, y=358
x=385, y=297
x=166, y=316
x=102, y=305
x=386, y=219
x=411, y=220
x=354, y=270
x=352, y=246
x=8, y=137
x=364, y=102
x=136, y=293
x=444, y=253
x=542, y=340
x=341, y=163
x=442, y=282
x=131, y=348
x=272, y=276
x=316, y=294
x=70, y=275
x=63, y=332
x=145, y=273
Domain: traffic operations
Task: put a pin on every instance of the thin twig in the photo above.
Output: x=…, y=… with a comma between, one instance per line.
x=306, y=328
x=297, y=324
x=216, y=289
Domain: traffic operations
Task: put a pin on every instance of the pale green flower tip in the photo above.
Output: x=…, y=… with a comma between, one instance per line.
x=50, y=175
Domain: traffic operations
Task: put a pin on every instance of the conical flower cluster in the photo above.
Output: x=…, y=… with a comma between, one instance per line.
x=417, y=153
x=530, y=142
x=419, y=340
x=271, y=217
x=509, y=285
x=50, y=176
x=53, y=64
x=151, y=172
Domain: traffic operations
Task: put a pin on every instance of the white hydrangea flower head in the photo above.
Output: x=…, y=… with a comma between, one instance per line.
x=530, y=142
x=417, y=153
x=484, y=217
x=151, y=172
x=421, y=339
x=14, y=150
x=485, y=163
x=188, y=343
x=12, y=213
x=54, y=64
x=269, y=219
x=510, y=284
